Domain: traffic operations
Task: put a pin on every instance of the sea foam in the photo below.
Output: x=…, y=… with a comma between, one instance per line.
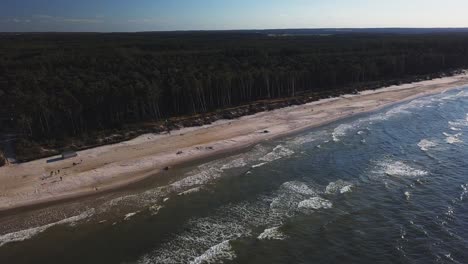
x=216, y=254
x=315, y=203
x=298, y=187
x=130, y=215
x=398, y=168
x=237, y=163
x=31, y=232
x=425, y=144
x=272, y=234
x=343, y=129
x=453, y=139
x=339, y=186
x=278, y=152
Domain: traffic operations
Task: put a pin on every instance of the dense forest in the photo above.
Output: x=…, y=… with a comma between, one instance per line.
x=59, y=86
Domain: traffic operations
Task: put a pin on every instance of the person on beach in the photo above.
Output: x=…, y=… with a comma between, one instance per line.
x=168, y=128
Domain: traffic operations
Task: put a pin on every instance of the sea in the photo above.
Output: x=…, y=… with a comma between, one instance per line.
x=384, y=187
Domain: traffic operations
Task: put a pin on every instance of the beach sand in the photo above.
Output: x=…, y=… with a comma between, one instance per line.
x=113, y=166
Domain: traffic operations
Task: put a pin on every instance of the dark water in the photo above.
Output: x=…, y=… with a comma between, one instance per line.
x=387, y=187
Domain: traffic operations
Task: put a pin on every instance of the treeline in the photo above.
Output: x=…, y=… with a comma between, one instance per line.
x=54, y=86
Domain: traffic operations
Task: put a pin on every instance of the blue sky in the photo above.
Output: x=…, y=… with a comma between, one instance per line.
x=148, y=15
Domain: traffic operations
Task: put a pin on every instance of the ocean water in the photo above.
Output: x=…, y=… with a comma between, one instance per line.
x=384, y=187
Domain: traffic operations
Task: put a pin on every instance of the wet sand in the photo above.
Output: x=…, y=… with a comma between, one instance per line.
x=113, y=166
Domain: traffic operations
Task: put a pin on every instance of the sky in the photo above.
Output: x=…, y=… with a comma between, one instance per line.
x=161, y=15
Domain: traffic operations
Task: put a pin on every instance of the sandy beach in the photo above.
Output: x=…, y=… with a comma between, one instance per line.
x=112, y=166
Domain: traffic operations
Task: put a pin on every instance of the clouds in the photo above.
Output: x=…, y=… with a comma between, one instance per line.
x=16, y=20
x=47, y=18
x=144, y=21
x=82, y=20
x=42, y=19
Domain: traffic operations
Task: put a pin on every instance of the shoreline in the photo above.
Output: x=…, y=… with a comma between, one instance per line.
x=115, y=166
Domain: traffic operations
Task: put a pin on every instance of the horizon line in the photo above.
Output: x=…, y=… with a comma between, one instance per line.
x=254, y=29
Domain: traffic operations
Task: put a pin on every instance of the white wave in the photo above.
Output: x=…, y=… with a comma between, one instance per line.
x=464, y=191
x=200, y=178
x=408, y=195
x=341, y=131
x=216, y=254
x=201, y=175
x=453, y=96
x=425, y=144
x=190, y=191
x=398, y=168
x=450, y=211
x=346, y=189
x=272, y=234
x=311, y=137
x=455, y=129
x=136, y=201
x=31, y=232
x=339, y=186
x=284, y=202
x=203, y=236
x=192, y=182
x=130, y=215
x=278, y=152
x=154, y=209
x=453, y=139
x=458, y=124
x=315, y=203
x=289, y=195
x=259, y=165
x=237, y=163
x=298, y=187
x=205, y=241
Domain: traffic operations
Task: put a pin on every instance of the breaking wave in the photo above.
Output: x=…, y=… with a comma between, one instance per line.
x=259, y=165
x=398, y=168
x=343, y=129
x=310, y=137
x=216, y=254
x=425, y=144
x=31, y=232
x=464, y=191
x=278, y=152
x=458, y=124
x=453, y=139
x=408, y=195
x=315, y=203
x=298, y=187
x=208, y=239
x=130, y=215
x=289, y=195
x=339, y=186
x=237, y=163
x=272, y=234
